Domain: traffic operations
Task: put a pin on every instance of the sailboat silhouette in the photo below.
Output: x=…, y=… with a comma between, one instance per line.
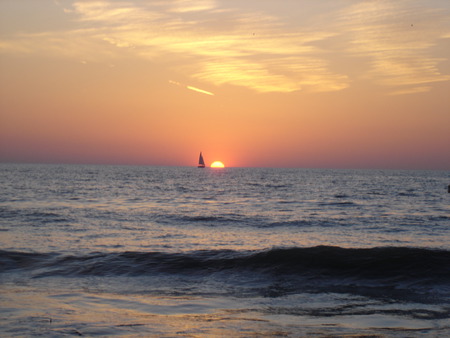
x=201, y=162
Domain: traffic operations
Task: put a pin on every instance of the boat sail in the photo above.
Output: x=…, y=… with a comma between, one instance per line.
x=201, y=162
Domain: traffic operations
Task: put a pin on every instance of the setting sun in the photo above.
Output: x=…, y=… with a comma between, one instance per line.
x=217, y=164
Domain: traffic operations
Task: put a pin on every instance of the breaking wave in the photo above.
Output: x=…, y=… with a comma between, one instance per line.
x=389, y=264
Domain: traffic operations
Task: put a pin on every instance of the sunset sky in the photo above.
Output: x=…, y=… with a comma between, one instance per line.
x=252, y=83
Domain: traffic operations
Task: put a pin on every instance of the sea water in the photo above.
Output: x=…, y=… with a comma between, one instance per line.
x=179, y=251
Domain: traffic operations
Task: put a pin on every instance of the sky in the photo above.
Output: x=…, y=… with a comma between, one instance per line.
x=251, y=83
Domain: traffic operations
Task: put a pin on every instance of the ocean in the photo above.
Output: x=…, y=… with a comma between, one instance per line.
x=91, y=250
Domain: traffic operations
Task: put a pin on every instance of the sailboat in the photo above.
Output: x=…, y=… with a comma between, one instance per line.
x=201, y=162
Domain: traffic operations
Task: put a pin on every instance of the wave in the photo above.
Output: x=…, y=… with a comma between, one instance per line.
x=388, y=264
x=32, y=216
x=234, y=219
x=338, y=204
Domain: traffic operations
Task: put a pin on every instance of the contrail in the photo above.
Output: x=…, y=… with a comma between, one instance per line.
x=198, y=90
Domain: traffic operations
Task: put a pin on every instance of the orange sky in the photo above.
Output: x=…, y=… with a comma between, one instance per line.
x=321, y=84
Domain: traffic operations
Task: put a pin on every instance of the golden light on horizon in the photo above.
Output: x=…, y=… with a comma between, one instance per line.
x=217, y=164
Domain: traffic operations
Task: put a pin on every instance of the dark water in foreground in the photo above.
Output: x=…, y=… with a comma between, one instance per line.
x=149, y=251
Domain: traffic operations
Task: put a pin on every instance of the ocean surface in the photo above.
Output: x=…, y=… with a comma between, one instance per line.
x=239, y=252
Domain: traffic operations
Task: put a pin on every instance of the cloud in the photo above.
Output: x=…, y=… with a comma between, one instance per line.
x=398, y=39
x=267, y=61
x=413, y=90
x=219, y=46
x=183, y=6
x=209, y=41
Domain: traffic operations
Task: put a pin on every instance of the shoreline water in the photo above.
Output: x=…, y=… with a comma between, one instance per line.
x=93, y=313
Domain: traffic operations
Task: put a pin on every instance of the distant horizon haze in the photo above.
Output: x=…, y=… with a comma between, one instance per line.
x=168, y=165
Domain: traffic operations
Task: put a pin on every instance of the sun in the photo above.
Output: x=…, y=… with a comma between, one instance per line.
x=217, y=164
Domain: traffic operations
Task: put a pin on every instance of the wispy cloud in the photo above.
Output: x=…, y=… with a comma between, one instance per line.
x=398, y=39
x=412, y=90
x=183, y=6
x=209, y=41
x=255, y=50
